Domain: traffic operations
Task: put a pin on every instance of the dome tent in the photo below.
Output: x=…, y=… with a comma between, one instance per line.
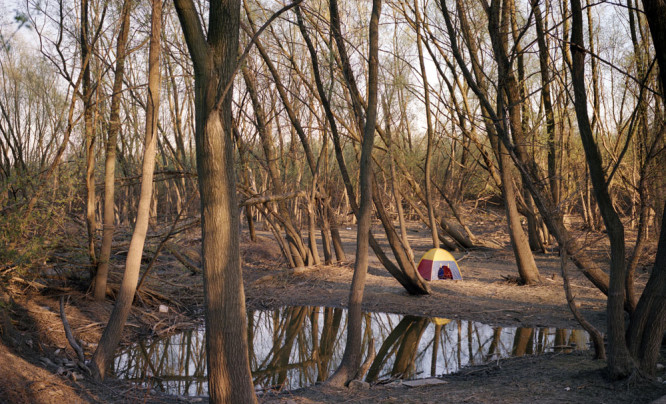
x=438, y=263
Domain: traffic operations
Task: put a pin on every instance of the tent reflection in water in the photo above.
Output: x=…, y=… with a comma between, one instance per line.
x=438, y=263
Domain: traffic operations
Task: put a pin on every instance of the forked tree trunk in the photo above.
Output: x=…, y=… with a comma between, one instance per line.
x=113, y=331
x=110, y=163
x=498, y=25
x=215, y=60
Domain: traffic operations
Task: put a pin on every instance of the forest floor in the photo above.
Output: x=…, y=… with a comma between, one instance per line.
x=38, y=366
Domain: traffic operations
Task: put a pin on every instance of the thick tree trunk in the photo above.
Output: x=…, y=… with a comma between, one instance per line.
x=648, y=322
x=519, y=241
x=113, y=331
x=215, y=60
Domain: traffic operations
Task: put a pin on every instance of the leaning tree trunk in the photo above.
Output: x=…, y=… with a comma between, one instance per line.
x=498, y=22
x=620, y=363
x=429, y=146
x=113, y=331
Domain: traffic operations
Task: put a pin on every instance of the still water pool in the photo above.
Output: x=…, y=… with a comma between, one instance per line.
x=295, y=347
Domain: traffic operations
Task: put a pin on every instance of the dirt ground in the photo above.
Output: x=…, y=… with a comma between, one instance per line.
x=38, y=366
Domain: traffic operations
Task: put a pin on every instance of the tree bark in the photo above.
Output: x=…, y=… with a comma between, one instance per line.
x=111, y=336
x=110, y=163
x=399, y=273
x=351, y=360
x=429, y=130
x=544, y=68
x=620, y=363
x=215, y=59
x=648, y=321
x=89, y=130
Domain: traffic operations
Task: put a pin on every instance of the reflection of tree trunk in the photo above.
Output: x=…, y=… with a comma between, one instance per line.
x=435, y=347
x=403, y=366
x=540, y=341
x=385, y=350
x=560, y=340
x=459, y=344
x=522, y=342
x=281, y=358
x=329, y=332
x=578, y=338
x=494, y=344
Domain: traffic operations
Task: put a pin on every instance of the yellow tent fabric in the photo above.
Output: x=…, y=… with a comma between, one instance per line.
x=438, y=263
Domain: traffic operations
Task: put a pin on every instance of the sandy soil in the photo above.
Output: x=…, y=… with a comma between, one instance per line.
x=37, y=365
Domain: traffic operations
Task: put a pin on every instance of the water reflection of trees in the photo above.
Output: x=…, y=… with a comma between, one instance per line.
x=176, y=364
x=298, y=346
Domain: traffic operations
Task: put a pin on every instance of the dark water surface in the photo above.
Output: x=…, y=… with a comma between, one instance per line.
x=295, y=347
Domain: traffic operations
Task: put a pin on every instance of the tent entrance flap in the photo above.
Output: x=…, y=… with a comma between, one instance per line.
x=439, y=264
